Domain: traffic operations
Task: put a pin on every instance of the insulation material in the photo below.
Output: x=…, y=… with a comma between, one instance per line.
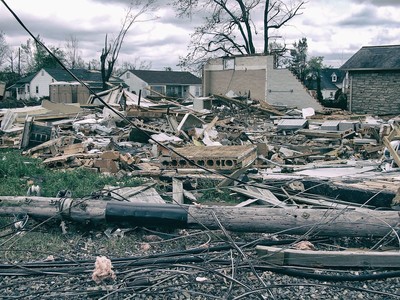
x=102, y=269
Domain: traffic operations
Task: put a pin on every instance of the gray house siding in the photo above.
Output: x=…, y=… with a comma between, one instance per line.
x=374, y=92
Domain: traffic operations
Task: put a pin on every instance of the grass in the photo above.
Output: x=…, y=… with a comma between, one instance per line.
x=210, y=193
x=18, y=172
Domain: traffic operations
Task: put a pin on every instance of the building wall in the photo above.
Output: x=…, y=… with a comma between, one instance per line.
x=68, y=93
x=328, y=94
x=283, y=88
x=258, y=75
x=60, y=93
x=374, y=92
x=196, y=90
x=237, y=74
x=41, y=82
x=135, y=83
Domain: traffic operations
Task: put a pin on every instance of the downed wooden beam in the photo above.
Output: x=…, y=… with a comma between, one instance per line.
x=387, y=142
x=310, y=258
x=325, y=133
x=321, y=222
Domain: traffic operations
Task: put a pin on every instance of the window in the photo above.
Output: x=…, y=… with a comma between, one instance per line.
x=42, y=73
x=331, y=94
x=198, y=91
x=128, y=75
x=334, y=77
x=37, y=89
x=156, y=90
x=229, y=63
x=28, y=89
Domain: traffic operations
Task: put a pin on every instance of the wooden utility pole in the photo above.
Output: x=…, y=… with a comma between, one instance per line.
x=316, y=222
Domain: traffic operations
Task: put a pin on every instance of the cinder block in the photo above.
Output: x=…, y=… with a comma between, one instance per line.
x=330, y=125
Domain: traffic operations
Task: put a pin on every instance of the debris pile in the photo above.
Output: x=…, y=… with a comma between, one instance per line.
x=300, y=172
x=231, y=136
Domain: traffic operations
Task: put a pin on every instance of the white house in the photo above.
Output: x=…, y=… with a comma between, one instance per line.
x=38, y=85
x=162, y=83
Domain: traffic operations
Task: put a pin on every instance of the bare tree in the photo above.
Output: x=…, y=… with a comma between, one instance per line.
x=72, y=53
x=13, y=59
x=94, y=64
x=110, y=52
x=137, y=64
x=279, y=52
x=229, y=28
x=4, y=49
x=278, y=13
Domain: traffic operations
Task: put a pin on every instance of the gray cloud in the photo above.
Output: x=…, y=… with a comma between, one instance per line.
x=381, y=2
x=368, y=16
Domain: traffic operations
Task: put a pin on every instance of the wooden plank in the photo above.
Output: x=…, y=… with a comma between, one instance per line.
x=235, y=175
x=256, y=193
x=177, y=191
x=326, y=134
x=310, y=258
x=247, y=202
x=392, y=151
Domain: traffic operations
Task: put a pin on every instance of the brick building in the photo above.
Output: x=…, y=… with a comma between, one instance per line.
x=372, y=81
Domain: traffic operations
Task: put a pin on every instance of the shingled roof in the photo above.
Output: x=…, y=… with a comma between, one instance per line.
x=375, y=58
x=82, y=74
x=166, y=77
x=326, y=79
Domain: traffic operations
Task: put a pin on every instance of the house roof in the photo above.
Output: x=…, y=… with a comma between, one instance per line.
x=375, y=58
x=25, y=79
x=326, y=79
x=88, y=76
x=82, y=74
x=166, y=77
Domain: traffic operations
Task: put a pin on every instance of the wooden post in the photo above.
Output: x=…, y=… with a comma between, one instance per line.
x=318, y=222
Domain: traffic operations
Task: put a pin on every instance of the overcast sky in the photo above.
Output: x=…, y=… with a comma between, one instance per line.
x=335, y=29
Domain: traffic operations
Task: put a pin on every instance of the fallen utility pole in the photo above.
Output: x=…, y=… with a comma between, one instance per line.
x=323, y=222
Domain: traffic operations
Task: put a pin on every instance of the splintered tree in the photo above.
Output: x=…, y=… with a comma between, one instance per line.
x=110, y=52
x=230, y=27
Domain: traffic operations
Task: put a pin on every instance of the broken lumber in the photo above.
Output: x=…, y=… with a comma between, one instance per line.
x=320, y=259
x=322, y=222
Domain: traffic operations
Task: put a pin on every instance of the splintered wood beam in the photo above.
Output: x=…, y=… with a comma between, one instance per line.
x=316, y=222
x=392, y=151
x=321, y=259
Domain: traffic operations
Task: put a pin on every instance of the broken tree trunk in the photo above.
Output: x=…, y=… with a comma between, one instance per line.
x=322, y=222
